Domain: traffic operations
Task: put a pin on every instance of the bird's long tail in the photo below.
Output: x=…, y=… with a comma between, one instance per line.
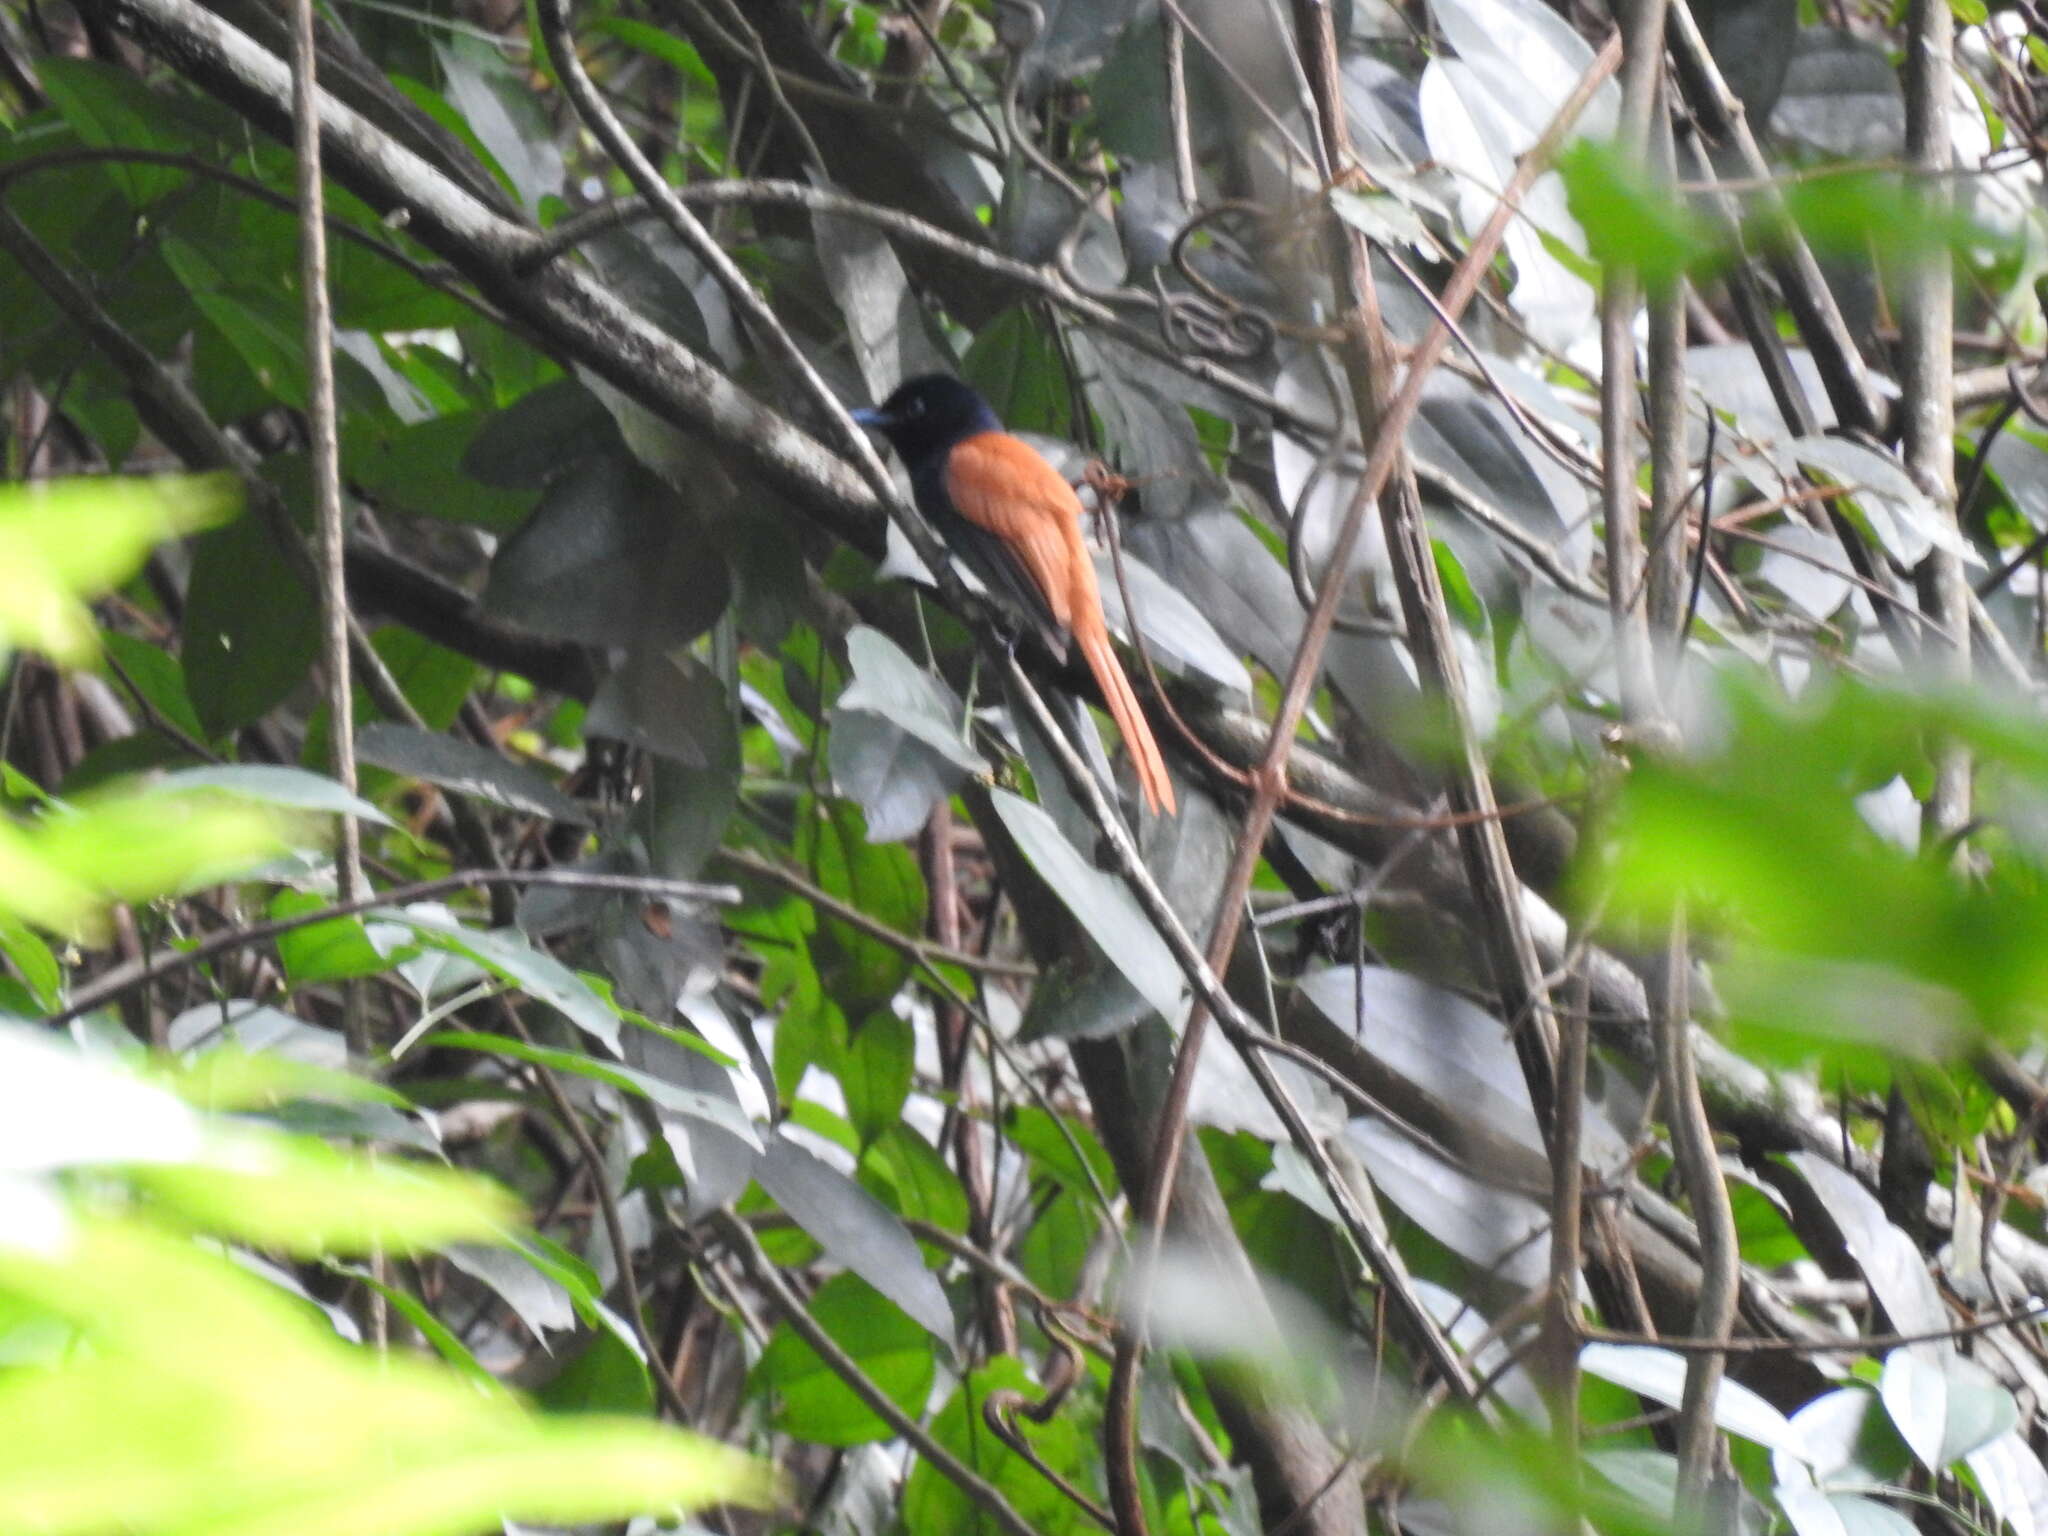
x=1130, y=719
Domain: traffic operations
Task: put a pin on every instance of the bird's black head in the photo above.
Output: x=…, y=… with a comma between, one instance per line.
x=929, y=414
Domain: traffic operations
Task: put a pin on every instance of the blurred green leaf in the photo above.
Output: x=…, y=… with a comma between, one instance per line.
x=1834, y=934
x=208, y=1372
x=32, y=960
x=226, y=1077
x=302, y=1196
x=1629, y=219
x=62, y=871
x=1853, y=213
x=64, y=541
x=292, y=789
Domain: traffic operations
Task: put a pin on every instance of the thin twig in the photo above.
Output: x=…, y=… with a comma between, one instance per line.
x=1561, y=1355
x=1927, y=408
x=1699, y=1165
x=328, y=537
x=1045, y=280
x=867, y=923
x=771, y=78
x=1177, y=113
x=1868, y=1344
x=119, y=983
x=324, y=433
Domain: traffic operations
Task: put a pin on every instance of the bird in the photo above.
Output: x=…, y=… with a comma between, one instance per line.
x=997, y=502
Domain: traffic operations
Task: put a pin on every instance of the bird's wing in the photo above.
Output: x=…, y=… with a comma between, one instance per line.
x=1004, y=487
x=1005, y=490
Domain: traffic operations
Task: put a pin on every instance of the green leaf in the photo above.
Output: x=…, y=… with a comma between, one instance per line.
x=294, y=789
x=432, y=1329
x=932, y=1504
x=855, y=1229
x=1764, y=836
x=436, y=680
x=1459, y=595
x=109, y=107
x=603, y=1377
x=612, y=555
x=1018, y=370
x=33, y=962
x=335, y=950
x=419, y=468
x=541, y=1301
x=874, y=1072
x=812, y=1401
x=910, y=1176
x=1630, y=220
x=1855, y=212
x=1055, y=1252
x=882, y=880
x=64, y=870
x=157, y=676
x=255, y=317
x=507, y=954
x=1033, y=1131
x=672, y=1096
x=251, y=628
x=468, y=769
x=1101, y=904
x=208, y=1370
x=664, y=45
x=64, y=541
x=223, y=1075
x=532, y=440
x=579, y=1281
x=303, y=1196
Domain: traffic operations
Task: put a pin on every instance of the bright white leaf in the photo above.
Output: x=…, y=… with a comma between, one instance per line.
x=1659, y=1374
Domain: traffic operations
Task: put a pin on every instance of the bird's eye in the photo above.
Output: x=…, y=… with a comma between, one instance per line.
x=914, y=406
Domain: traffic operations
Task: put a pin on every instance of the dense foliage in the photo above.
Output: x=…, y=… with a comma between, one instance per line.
x=1575, y=489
